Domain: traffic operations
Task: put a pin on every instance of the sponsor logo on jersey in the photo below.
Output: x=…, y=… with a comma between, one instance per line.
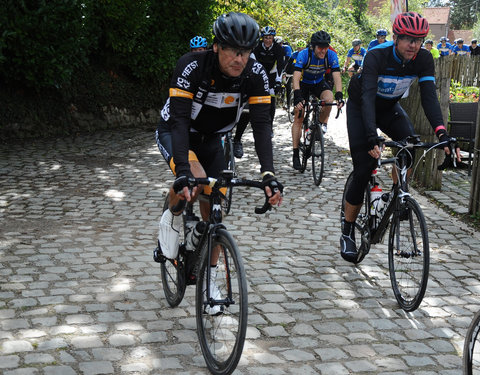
x=189, y=68
x=182, y=82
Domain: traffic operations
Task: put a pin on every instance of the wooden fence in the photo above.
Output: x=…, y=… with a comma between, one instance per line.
x=463, y=69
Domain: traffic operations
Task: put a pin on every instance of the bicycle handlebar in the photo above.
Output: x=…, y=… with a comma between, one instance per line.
x=223, y=181
x=322, y=103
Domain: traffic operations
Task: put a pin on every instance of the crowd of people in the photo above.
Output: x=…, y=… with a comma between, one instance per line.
x=237, y=77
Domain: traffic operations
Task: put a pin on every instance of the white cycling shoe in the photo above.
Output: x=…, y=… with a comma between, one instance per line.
x=168, y=234
x=214, y=293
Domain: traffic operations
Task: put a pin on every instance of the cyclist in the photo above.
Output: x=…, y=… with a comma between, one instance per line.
x=444, y=47
x=309, y=78
x=300, y=44
x=207, y=93
x=474, y=48
x=356, y=53
x=429, y=47
x=460, y=49
x=271, y=55
x=388, y=71
x=198, y=43
x=381, y=37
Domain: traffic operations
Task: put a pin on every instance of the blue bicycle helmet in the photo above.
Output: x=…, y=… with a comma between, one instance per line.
x=268, y=30
x=381, y=32
x=198, y=42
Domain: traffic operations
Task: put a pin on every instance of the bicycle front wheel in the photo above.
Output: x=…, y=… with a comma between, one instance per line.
x=222, y=320
x=318, y=154
x=471, y=348
x=408, y=255
x=230, y=162
x=290, y=107
x=173, y=274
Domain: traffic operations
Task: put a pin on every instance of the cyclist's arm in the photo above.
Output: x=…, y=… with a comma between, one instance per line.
x=259, y=104
x=297, y=75
x=181, y=101
x=369, y=88
x=347, y=63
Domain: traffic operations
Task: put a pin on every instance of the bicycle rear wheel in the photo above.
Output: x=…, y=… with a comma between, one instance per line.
x=230, y=162
x=362, y=227
x=318, y=154
x=173, y=273
x=471, y=348
x=222, y=336
x=408, y=255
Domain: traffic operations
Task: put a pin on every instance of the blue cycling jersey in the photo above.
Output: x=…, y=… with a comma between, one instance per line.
x=374, y=43
x=315, y=71
x=288, y=50
x=460, y=51
x=445, y=50
x=357, y=56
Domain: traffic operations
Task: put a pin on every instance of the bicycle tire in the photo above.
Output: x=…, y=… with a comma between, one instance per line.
x=303, y=148
x=471, y=347
x=318, y=154
x=290, y=107
x=222, y=337
x=408, y=255
x=230, y=162
x=173, y=274
x=362, y=226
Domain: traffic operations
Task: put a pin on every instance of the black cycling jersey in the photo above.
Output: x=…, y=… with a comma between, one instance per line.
x=203, y=100
x=385, y=78
x=273, y=59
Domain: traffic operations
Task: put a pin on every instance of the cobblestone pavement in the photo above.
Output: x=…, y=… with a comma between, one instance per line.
x=80, y=294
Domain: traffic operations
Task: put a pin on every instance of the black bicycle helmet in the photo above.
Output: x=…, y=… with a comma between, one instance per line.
x=320, y=38
x=459, y=40
x=356, y=42
x=237, y=30
x=429, y=41
x=474, y=41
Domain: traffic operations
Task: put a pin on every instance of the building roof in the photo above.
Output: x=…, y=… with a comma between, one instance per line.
x=437, y=15
x=466, y=35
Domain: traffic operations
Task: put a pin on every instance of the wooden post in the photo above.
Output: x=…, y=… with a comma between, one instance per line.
x=474, y=204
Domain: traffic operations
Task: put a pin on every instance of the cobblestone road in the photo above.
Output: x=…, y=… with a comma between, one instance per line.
x=80, y=294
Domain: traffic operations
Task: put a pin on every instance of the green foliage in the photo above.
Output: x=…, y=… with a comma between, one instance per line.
x=41, y=41
x=464, y=13
x=463, y=94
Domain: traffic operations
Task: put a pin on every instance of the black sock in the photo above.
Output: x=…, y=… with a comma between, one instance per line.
x=348, y=228
x=295, y=152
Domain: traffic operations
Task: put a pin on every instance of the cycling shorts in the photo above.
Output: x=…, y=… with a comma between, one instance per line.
x=315, y=90
x=394, y=123
x=206, y=149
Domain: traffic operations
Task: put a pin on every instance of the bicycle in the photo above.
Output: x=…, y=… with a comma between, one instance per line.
x=471, y=348
x=221, y=335
x=312, y=139
x=227, y=142
x=408, y=247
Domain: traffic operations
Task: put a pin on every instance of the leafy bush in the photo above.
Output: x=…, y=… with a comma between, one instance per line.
x=41, y=42
x=460, y=94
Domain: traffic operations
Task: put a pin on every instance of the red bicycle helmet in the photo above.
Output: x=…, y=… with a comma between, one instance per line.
x=411, y=24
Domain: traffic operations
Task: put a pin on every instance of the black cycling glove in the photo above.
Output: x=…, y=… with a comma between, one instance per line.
x=278, y=87
x=373, y=140
x=339, y=97
x=179, y=183
x=270, y=181
x=297, y=97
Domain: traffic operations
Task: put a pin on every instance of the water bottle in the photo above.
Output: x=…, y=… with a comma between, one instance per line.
x=308, y=135
x=194, y=238
x=375, y=198
x=189, y=229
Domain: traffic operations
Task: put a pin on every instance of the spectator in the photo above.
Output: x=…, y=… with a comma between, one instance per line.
x=429, y=46
x=474, y=48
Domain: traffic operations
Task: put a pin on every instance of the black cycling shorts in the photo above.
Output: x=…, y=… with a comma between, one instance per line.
x=207, y=149
x=394, y=123
x=315, y=90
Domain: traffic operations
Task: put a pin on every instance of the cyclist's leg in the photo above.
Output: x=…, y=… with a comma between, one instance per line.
x=297, y=126
x=363, y=164
x=241, y=126
x=324, y=92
